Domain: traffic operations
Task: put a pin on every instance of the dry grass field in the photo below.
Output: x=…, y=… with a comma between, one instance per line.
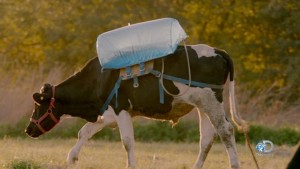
x=52, y=153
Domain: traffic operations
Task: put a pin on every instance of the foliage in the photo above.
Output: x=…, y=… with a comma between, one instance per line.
x=185, y=131
x=277, y=136
x=262, y=36
x=23, y=165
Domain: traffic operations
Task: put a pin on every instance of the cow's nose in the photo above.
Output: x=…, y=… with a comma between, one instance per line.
x=28, y=130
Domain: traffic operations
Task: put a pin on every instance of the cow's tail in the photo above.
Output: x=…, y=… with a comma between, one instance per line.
x=239, y=122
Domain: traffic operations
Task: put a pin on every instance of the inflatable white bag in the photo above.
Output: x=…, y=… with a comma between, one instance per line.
x=138, y=43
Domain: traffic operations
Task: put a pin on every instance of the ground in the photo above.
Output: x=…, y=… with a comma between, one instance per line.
x=52, y=153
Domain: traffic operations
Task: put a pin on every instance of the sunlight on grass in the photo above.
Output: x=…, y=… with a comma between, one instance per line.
x=102, y=154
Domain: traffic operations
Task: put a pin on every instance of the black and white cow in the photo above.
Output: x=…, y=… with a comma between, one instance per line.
x=83, y=94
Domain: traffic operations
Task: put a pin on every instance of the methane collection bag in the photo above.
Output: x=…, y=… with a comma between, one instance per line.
x=138, y=43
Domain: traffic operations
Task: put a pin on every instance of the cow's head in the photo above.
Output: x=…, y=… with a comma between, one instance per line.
x=45, y=115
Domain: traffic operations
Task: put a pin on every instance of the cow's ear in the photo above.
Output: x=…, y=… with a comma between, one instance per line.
x=38, y=97
x=45, y=94
x=46, y=88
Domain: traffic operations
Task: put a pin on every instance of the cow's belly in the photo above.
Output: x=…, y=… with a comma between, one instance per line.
x=145, y=100
x=181, y=105
x=178, y=110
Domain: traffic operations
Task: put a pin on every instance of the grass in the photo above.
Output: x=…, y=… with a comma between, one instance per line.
x=154, y=131
x=19, y=164
x=51, y=154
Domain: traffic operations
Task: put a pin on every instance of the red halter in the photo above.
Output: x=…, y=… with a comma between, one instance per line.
x=48, y=113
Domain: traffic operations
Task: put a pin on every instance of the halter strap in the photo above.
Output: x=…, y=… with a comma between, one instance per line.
x=48, y=113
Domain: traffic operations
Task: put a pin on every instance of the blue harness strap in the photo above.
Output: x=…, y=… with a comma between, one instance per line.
x=128, y=72
x=111, y=95
x=184, y=81
x=180, y=80
x=161, y=93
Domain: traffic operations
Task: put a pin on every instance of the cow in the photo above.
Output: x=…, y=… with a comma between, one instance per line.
x=83, y=95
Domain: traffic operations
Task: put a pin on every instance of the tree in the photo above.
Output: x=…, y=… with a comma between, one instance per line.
x=261, y=36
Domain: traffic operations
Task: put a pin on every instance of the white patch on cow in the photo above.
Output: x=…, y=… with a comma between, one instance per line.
x=195, y=95
x=204, y=50
x=88, y=130
x=205, y=100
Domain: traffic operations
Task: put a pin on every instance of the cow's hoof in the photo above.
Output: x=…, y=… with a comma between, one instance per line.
x=235, y=167
x=130, y=166
x=127, y=167
x=195, y=166
x=72, y=160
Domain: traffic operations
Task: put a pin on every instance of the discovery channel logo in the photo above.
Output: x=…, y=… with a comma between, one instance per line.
x=264, y=147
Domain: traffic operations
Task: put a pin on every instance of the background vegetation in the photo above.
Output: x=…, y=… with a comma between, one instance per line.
x=184, y=132
x=46, y=41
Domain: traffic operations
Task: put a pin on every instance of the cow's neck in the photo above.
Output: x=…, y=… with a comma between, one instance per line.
x=83, y=94
x=80, y=88
x=88, y=112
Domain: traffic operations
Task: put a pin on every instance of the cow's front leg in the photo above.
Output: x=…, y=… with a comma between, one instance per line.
x=126, y=131
x=87, y=131
x=207, y=135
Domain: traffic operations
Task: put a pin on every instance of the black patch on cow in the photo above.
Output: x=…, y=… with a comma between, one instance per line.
x=229, y=64
x=145, y=98
x=219, y=94
x=211, y=70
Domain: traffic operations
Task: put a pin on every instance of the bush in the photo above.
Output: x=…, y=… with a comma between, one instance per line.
x=23, y=165
x=277, y=136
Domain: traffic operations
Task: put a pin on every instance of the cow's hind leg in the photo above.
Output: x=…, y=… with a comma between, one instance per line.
x=225, y=131
x=206, y=101
x=216, y=114
x=207, y=135
x=87, y=131
x=124, y=122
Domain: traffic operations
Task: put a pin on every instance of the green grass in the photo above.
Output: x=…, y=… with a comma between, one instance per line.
x=185, y=131
x=19, y=164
